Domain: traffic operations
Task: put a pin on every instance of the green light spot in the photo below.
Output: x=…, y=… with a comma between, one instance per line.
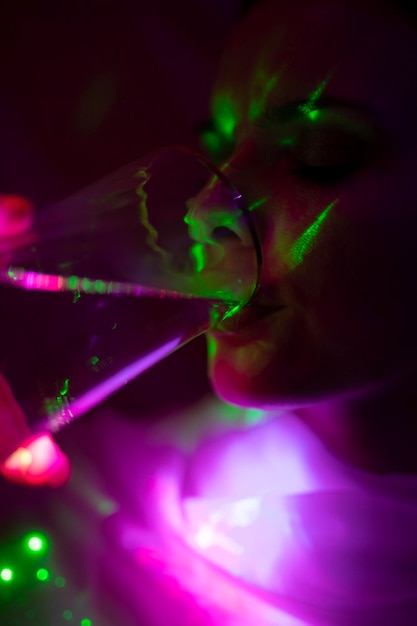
x=60, y=581
x=225, y=116
x=64, y=390
x=72, y=282
x=6, y=574
x=314, y=115
x=106, y=507
x=212, y=143
x=261, y=88
x=67, y=614
x=42, y=574
x=310, y=108
x=86, y=285
x=94, y=360
x=254, y=416
x=304, y=244
x=99, y=286
x=287, y=141
x=35, y=543
x=86, y=622
x=257, y=204
x=198, y=253
x=233, y=311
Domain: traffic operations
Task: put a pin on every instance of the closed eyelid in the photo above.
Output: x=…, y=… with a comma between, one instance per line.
x=292, y=111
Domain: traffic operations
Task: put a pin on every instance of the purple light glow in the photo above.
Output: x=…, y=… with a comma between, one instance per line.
x=92, y=398
x=285, y=543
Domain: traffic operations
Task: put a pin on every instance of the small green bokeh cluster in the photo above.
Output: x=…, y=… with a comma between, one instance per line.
x=32, y=593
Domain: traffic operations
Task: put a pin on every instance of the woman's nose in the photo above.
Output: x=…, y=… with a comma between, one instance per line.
x=217, y=214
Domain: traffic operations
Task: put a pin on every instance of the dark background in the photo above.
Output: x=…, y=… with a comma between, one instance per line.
x=89, y=85
x=85, y=87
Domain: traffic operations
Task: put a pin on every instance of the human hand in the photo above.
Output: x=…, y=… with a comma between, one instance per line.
x=25, y=458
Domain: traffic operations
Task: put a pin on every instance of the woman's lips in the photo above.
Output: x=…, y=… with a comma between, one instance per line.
x=245, y=318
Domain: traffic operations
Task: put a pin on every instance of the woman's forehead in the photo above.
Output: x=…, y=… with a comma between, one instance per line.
x=290, y=50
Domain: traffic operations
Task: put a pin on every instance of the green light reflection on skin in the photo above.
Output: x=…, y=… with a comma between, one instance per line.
x=310, y=108
x=257, y=204
x=212, y=143
x=314, y=115
x=264, y=86
x=304, y=244
x=198, y=254
x=232, y=311
x=255, y=416
x=225, y=116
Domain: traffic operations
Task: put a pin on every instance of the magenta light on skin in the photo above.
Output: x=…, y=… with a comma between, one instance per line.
x=92, y=398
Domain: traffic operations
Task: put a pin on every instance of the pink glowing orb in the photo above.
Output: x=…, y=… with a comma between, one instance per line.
x=37, y=462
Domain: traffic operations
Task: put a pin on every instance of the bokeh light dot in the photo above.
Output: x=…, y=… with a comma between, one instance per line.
x=6, y=574
x=42, y=574
x=60, y=581
x=86, y=622
x=35, y=543
x=67, y=614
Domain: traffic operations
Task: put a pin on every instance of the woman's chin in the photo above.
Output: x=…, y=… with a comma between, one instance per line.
x=243, y=389
x=275, y=386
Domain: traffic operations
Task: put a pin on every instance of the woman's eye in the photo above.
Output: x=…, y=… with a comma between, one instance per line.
x=328, y=152
x=330, y=160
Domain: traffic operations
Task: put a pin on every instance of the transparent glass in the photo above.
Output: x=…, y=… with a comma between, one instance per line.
x=118, y=276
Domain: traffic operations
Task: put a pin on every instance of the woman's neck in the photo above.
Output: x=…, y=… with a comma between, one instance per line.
x=375, y=430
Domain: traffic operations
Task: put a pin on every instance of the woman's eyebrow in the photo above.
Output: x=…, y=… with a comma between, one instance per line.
x=293, y=111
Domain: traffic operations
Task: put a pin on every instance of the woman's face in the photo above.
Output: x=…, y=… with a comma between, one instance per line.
x=316, y=107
